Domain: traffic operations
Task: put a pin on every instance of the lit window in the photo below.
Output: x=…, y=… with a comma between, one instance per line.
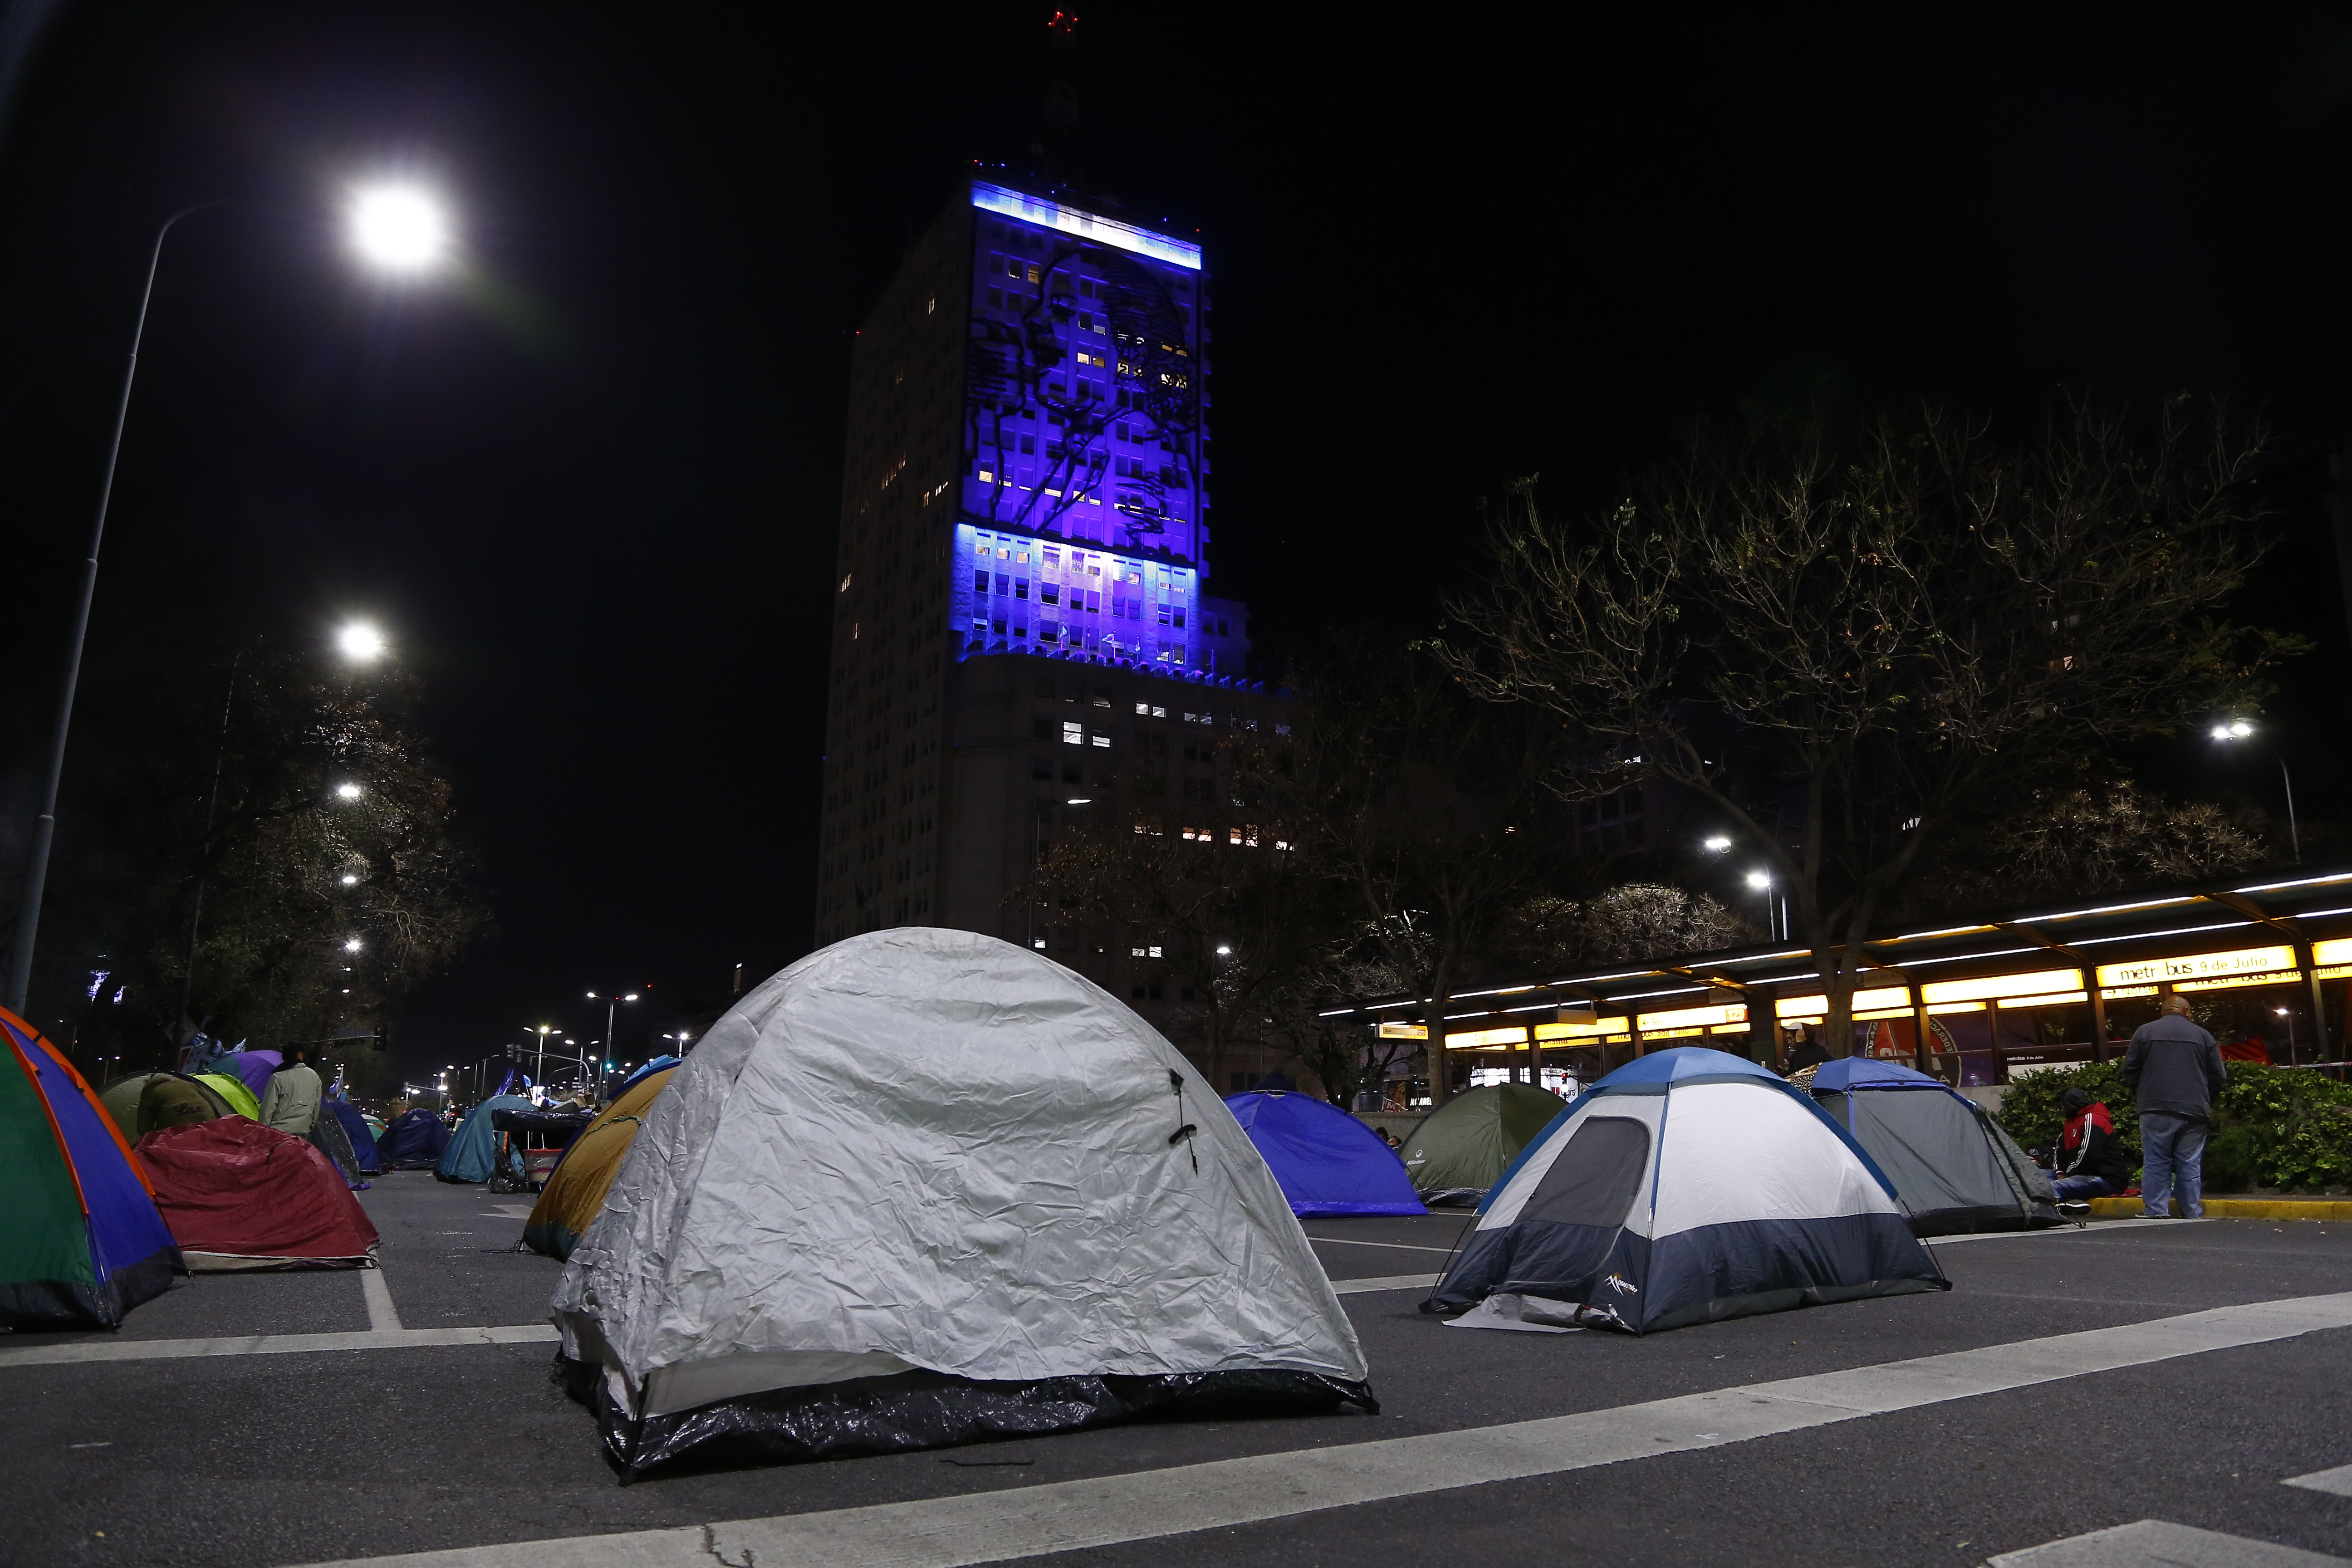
x=1101, y=738
x=1143, y=708
x=987, y=477
x=1160, y=713
x=1073, y=734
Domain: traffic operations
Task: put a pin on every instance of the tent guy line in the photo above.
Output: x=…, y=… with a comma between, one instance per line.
x=1149, y=1505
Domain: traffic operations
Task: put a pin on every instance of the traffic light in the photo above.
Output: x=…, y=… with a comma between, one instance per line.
x=381, y=1039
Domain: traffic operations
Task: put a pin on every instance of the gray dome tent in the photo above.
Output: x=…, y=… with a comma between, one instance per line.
x=1952, y=1167
x=923, y=1187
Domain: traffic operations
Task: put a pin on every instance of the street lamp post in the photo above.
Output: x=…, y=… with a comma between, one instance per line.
x=612, y=1006
x=1774, y=922
x=2239, y=730
x=395, y=229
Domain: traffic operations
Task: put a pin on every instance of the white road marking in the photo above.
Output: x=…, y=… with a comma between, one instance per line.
x=1393, y=1246
x=382, y=1316
x=1386, y=1282
x=509, y=1211
x=1147, y=1505
x=2152, y=1543
x=2337, y=1481
x=271, y=1344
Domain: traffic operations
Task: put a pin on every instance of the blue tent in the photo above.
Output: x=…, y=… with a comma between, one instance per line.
x=1953, y=1168
x=1325, y=1160
x=473, y=1149
x=412, y=1142
x=356, y=1127
x=1685, y=1187
x=659, y=1063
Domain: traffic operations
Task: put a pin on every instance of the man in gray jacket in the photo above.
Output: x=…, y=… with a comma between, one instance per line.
x=291, y=1101
x=2174, y=1070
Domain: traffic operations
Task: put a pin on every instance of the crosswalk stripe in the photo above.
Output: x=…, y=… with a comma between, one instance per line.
x=1066, y=1516
x=2149, y=1542
x=271, y=1344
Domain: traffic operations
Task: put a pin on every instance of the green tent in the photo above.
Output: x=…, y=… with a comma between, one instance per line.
x=1460, y=1149
x=144, y=1102
x=231, y=1088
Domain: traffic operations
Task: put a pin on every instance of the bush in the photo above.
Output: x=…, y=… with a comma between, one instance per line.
x=2300, y=1124
x=2273, y=1127
x=2030, y=1111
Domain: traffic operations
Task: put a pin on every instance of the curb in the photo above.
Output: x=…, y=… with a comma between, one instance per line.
x=2240, y=1208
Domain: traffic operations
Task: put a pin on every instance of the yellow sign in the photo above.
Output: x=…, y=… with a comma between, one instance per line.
x=1581, y=1031
x=1689, y=1017
x=2037, y=984
x=2330, y=953
x=2195, y=966
x=1816, y=1006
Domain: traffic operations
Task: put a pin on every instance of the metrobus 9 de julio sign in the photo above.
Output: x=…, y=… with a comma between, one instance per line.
x=2197, y=966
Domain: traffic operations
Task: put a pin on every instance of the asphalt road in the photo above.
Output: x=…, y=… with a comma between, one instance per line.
x=254, y=1461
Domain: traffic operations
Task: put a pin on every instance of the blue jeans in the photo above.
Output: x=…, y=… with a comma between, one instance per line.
x=2172, y=1150
x=2077, y=1189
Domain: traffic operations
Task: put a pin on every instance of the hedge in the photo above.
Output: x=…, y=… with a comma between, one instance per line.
x=2274, y=1127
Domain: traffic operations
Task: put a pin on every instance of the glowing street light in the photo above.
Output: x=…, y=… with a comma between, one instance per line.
x=348, y=791
x=401, y=229
x=1759, y=878
x=353, y=945
x=2240, y=730
x=394, y=228
x=360, y=642
x=1718, y=844
x=350, y=880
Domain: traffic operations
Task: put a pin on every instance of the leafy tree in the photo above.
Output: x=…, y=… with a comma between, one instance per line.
x=1848, y=645
x=1217, y=884
x=1436, y=813
x=1632, y=921
x=2087, y=842
x=275, y=817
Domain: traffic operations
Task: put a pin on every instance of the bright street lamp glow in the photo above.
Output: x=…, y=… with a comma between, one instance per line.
x=350, y=880
x=2241, y=729
x=1759, y=878
x=1718, y=843
x=630, y=997
x=1225, y=952
x=399, y=229
x=352, y=945
x=360, y=642
x=348, y=791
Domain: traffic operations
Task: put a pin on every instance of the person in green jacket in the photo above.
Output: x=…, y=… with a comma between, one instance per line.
x=290, y=1103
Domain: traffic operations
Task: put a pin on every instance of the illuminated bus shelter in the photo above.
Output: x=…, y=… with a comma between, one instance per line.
x=2270, y=964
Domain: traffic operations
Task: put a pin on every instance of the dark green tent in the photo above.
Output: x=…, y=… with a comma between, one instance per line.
x=1460, y=1149
x=144, y=1102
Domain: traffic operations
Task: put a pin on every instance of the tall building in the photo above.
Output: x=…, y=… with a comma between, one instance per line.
x=1023, y=601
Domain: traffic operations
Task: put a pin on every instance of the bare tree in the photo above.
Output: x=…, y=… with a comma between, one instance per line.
x=1846, y=647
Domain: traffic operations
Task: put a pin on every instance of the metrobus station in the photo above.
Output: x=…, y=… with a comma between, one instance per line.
x=1975, y=1004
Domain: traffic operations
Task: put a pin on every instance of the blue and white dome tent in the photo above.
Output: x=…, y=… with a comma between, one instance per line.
x=1687, y=1186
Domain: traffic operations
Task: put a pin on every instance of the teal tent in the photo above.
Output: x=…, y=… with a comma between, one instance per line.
x=473, y=1151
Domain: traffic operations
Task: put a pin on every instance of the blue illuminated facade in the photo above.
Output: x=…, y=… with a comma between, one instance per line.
x=1024, y=547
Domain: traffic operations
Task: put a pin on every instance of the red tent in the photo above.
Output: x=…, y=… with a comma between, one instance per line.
x=241, y=1195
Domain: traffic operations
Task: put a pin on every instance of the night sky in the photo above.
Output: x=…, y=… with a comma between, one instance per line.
x=591, y=490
